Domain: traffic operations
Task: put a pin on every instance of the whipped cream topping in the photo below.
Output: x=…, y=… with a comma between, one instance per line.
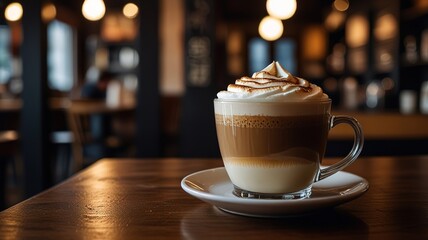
x=275, y=84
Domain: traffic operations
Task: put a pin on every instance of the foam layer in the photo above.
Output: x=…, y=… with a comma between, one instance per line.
x=248, y=108
x=273, y=84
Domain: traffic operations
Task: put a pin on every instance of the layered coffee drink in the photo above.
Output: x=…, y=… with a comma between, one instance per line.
x=272, y=130
x=272, y=154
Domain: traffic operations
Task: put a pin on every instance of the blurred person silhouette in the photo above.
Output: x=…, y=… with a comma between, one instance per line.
x=95, y=88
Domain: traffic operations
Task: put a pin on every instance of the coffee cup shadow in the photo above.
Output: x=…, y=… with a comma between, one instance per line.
x=331, y=221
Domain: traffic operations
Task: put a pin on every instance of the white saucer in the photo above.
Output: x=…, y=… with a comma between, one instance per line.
x=214, y=186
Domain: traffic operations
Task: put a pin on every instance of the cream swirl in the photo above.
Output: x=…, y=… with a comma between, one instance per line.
x=273, y=83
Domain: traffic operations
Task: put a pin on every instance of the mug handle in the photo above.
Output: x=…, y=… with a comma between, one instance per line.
x=356, y=148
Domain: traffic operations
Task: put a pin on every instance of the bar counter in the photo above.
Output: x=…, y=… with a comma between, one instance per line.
x=384, y=126
x=142, y=199
x=378, y=125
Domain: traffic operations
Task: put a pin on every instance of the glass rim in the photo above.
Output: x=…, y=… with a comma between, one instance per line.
x=261, y=101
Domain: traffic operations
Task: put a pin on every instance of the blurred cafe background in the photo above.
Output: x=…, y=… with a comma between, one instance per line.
x=85, y=79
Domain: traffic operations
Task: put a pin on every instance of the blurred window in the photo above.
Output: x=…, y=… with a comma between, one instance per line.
x=5, y=55
x=258, y=54
x=285, y=53
x=60, y=56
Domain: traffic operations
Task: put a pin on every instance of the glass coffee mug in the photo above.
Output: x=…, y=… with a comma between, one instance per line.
x=275, y=149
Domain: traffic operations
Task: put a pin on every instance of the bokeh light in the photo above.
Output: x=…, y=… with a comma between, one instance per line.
x=271, y=28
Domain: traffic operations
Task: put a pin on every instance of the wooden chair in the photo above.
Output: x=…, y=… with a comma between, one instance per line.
x=8, y=150
x=89, y=120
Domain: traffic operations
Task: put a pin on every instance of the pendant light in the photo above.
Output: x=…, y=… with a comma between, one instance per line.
x=93, y=10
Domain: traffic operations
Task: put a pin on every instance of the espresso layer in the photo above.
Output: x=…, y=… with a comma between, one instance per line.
x=245, y=121
x=266, y=136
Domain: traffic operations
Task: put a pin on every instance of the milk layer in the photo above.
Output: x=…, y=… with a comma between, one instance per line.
x=291, y=174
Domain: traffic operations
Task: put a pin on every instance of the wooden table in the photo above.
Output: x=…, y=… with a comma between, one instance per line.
x=15, y=104
x=142, y=199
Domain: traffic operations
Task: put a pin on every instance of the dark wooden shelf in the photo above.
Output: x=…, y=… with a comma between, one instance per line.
x=413, y=14
x=417, y=64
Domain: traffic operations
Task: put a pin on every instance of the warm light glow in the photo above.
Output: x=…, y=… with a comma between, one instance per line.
x=341, y=5
x=48, y=12
x=130, y=10
x=93, y=10
x=282, y=9
x=270, y=28
x=388, y=84
x=421, y=4
x=334, y=20
x=234, y=49
x=116, y=27
x=13, y=12
x=314, y=42
x=386, y=27
x=357, y=33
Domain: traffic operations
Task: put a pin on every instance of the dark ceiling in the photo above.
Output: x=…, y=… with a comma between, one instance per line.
x=237, y=10
x=243, y=10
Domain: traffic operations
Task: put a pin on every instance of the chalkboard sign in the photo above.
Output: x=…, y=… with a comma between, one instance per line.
x=199, y=42
x=197, y=129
